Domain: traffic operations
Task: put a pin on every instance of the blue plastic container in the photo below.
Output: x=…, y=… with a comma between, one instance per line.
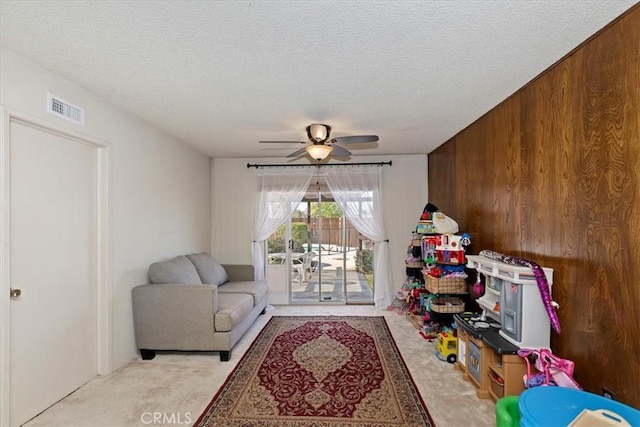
x=558, y=406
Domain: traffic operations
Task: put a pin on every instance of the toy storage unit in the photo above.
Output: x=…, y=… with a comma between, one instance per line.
x=512, y=297
x=444, y=251
x=440, y=296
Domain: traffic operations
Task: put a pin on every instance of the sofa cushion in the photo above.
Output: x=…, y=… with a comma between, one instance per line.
x=177, y=270
x=257, y=289
x=209, y=270
x=232, y=310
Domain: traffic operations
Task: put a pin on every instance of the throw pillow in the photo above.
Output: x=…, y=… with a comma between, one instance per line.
x=177, y=270
x=209, y=270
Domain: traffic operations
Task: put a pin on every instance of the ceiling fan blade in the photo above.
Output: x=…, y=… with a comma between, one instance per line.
x=297, y=152
x=282, y=142
x=354, y=139
x=339, y=151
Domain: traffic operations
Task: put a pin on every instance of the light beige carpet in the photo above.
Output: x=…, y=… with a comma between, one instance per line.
x=175, y=388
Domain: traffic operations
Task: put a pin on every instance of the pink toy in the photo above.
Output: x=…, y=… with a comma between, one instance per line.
x=553, y=370
x=478, y=287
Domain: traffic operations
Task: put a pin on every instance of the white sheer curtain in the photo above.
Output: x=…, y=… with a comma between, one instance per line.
x=357, y=191
x=279, y=191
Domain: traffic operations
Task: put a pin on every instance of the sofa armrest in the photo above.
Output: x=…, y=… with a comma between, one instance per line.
x=174, y=316
x=239, y=272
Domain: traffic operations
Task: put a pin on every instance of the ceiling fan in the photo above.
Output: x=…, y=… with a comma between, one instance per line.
x=320, y=144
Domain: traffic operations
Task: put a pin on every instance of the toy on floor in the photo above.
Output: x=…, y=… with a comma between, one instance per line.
x=430, y=330
x=413, y=302
x=447, y=347
x=401, y=301
x=413, y=299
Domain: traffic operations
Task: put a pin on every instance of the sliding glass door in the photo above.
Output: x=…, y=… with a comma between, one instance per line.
x=325, y=259
x=326, y=240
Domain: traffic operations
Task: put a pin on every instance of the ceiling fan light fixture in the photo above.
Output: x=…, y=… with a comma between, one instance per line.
x=318, y=132
x=320, y=144
x=319, y=152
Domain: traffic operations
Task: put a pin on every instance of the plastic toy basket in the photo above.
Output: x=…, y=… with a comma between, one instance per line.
x=447, y=305
x=445, y=285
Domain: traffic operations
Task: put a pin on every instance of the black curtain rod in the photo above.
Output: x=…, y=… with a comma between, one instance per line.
x=249, y=165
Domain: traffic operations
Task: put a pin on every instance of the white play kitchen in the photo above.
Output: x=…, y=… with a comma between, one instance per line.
x=513, y=316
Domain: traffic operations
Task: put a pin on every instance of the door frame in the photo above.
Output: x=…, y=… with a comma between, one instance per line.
x=103, y=254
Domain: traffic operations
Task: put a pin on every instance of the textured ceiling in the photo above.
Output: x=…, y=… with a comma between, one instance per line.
x=222, y=75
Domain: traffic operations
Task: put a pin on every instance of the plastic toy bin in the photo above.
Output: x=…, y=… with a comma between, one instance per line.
x=546, y=406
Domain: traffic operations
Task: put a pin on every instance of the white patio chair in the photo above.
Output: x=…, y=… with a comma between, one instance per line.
x=303, y=267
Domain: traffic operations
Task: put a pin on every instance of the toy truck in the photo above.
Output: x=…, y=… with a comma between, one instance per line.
x=447, y=347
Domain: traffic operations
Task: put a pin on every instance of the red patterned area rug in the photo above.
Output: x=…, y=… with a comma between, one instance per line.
x=319, y=371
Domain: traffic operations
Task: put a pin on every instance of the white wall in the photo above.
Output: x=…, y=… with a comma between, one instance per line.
x=404, y=195
x=160, y=189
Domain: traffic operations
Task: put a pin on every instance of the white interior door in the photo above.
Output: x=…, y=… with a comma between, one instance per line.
x=53, y=225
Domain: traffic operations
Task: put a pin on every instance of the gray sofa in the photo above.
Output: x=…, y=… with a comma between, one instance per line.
x=193, y=303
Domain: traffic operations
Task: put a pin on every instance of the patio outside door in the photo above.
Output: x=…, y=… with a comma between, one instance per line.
x=327, y=260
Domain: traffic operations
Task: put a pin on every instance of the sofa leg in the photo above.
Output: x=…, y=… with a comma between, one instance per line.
x=225, y=356
x=147, y=354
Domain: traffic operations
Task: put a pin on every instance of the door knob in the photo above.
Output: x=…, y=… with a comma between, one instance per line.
x=14, y=293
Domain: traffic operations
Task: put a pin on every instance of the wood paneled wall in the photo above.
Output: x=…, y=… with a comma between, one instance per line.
x=552, y=174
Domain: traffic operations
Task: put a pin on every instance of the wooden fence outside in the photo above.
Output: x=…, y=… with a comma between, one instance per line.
x=328, y=232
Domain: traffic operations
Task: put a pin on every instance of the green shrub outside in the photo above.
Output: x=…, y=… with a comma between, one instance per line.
x=298, y=234
x=364, y=260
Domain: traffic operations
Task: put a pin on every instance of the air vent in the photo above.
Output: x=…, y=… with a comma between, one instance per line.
x=61, y=108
